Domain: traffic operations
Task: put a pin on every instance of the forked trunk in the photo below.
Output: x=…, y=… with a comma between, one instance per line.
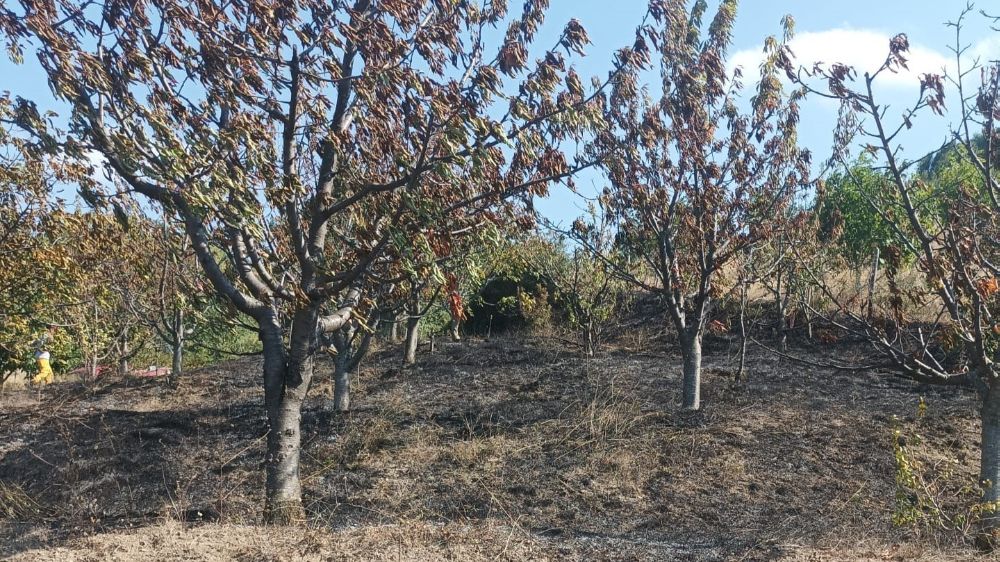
x=342, y=389
x=350, y=353
x=286, y=381
x=691, y=352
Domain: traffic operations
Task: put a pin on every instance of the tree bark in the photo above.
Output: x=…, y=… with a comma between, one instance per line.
x=783, y=314
x=394, y=328
x=412, y=339
x=176, y=360
x=177, y=350
x=283, y=488
x=989, y=466
x=781, y=303
x=342, y=373
x=286, y=381
x=691, y=353
x=123, y=368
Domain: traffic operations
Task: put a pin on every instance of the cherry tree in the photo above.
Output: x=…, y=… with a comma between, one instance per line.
x=302, y=144
x=943, y=221
x=694, y=179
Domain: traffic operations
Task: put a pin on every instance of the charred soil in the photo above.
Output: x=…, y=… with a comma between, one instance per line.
x=512, y=448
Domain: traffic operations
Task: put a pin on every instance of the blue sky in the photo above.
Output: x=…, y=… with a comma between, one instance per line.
x=851, y=31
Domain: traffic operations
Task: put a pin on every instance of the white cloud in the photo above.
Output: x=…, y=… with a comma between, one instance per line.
x=986, y=49
x=863, y=49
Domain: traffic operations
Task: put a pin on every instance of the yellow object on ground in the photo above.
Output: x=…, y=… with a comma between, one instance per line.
x=44, y=375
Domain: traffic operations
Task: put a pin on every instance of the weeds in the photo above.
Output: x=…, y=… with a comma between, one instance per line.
x=18, y=505
x=932, y=495
x=607, y=411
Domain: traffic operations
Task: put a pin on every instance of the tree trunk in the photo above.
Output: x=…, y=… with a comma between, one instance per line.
x=412, y=339
x=456, y=329
x=691, y=352
x=177, y=350
x=123, y=357
x=806, y=308
x=286, y=381
x=589, y=344
x=989, y=465
x=783, y=323
x=779, y=302
x=394, y=329
x=342, y=373
x=283, y=488
x=176, y=360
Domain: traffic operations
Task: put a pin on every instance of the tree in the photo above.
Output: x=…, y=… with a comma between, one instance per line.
x=773, y=264
x=948, y=221
x=301, y=145
x=862, y=233
x=434, y=273
x=421, y=295
x=97, y=310
x=846, y=216
x=583, y=286
x=693, y=180
x=174, y=295
x=34, y=270
x=351, y=343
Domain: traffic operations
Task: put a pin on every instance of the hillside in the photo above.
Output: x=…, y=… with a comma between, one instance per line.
x=499, y=449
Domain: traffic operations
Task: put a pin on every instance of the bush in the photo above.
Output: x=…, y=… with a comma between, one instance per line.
x=540, y=283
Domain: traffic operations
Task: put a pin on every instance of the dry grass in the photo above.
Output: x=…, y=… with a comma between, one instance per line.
x=18, y=505
x=17, y=380
x=486, y=450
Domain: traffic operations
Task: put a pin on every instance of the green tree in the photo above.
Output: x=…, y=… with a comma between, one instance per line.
x=850, y=211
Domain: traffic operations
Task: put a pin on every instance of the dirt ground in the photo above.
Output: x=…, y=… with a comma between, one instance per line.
x=514, y=448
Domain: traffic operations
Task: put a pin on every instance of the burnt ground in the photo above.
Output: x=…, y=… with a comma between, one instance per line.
x=515, y=448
